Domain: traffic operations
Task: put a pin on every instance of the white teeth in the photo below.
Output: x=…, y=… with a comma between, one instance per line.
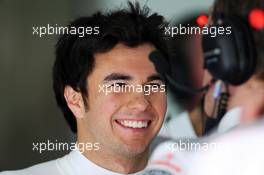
x=134, y=124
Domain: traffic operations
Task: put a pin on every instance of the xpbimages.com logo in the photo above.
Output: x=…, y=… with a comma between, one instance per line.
x=213, y=31
x=120, y=88
x=63, y=146
x=61, y=30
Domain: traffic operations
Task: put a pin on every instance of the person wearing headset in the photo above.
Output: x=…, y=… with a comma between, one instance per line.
x=235, y=65
x=239, y=64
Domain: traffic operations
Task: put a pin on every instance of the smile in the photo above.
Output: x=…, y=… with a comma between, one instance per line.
x=134, y=123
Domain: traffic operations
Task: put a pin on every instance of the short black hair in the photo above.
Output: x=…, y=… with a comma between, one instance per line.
x=242, y=8
x=75, y=55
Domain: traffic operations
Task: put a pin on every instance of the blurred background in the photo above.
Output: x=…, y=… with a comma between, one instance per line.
x=28, y=110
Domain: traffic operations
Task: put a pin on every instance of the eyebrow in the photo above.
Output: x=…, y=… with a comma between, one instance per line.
x=121, y=76
x=117, y=76
x=155, y=77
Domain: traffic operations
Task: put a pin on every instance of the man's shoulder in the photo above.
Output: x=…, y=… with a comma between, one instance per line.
x=46, y=168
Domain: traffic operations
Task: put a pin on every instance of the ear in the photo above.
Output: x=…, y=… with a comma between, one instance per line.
x=74, y=101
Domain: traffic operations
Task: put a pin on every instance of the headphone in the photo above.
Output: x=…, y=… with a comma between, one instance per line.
x=230, y=57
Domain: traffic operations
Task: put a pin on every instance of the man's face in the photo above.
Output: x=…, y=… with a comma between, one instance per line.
x=123, y=123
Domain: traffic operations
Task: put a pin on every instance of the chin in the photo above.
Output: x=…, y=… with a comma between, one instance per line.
x=136, y=149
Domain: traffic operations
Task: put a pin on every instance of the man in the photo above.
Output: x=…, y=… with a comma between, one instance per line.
x=253, y=88
x=245, y=105
x=94, y=79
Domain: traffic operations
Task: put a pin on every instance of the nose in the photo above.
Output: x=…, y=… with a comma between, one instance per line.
x=138, y=102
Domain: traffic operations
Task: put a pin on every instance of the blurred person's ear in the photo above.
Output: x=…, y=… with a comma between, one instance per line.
x=74, y=101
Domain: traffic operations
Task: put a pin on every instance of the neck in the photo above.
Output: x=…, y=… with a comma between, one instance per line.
x=196, y=119
x=113, y=161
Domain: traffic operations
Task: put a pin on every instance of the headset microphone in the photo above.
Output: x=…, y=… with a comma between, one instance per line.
x=162, y=66
x=230, y=58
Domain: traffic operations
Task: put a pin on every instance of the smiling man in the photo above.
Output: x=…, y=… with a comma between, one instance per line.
x=119, y=124
x=123, y=123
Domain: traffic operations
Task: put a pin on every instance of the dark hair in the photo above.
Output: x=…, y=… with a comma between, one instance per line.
x=75, y=55
x=242, y=8
x=181, y=62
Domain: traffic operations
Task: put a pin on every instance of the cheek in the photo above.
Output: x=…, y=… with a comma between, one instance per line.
x=235, y=98
x=209, y=102
x=159, y=103
x=206, y=77
x=106, y=105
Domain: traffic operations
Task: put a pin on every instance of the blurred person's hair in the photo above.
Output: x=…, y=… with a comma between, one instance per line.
x=75, y=55
x=182, y=61
x=242, y=8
